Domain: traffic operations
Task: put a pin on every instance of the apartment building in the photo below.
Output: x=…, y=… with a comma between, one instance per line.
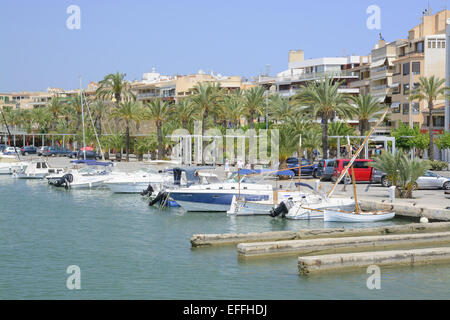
x=173, y=88
x=301, y=71
x=7, y=101
x=422, y=54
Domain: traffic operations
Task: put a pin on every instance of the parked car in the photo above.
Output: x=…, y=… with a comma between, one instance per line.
x=325, y=169
x=73, y=154
x=380, y=177
x=3, y=147
x=89, y=155
x=55, y=151
x=11, y=150
x=308, y=168
x=430, y=180
x=41, y=150
x=28, y=150
x=361, y=167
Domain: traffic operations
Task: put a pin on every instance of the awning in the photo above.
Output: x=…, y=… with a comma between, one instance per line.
x=394, y=85
x=390, y=62
x=395, y=105
x=378, y=63
x=382, y=99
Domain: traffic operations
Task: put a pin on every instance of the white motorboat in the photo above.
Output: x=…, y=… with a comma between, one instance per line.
x=37, y=170
x=242, y=207
x=10, y=166
x=342, y=216
x=138, y=181
x=94, y=175
x=210, y=195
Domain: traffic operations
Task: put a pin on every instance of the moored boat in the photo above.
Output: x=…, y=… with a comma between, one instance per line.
x=342, y=216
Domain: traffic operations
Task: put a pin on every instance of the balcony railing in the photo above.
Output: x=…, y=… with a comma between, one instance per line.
x=311, y=76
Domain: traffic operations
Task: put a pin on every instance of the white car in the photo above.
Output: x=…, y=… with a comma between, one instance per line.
x=11, y=150
x=432, y=180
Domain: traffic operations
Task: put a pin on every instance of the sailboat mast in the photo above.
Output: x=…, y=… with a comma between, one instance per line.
x=353, y=177
x=82, y=121
x=299, y=162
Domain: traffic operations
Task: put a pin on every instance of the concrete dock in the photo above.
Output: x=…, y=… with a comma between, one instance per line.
x=342, y=245
x=201, y=240
x=349, y=261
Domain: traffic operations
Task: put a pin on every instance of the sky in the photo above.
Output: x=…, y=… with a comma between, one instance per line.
x=232, y=37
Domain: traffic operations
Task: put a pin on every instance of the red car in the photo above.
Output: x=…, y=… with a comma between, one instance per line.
x=361, y=167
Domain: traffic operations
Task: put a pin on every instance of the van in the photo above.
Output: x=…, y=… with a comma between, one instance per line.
x=362, y=169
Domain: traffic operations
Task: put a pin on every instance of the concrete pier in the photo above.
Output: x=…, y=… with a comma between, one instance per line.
x=200, y=240
x=342, y=245
x=406, y=210
x=349, y=261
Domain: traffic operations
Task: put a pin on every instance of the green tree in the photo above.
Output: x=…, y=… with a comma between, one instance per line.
x=430, y=89
x=158, y=111
x=128, y=112
x=114, y=87
x=322, y=99
x=253, y=104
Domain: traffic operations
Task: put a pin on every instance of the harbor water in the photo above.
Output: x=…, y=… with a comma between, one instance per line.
x=127, y=250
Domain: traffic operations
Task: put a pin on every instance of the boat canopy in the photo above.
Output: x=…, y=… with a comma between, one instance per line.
x=191, y=174
x=92, y=163
x=301, y=184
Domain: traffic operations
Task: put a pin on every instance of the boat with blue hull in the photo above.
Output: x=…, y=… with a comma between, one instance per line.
x=208, y=194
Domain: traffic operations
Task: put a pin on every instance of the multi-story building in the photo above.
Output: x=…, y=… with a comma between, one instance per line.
x=6, y=100
x=173, y=88
x=422, y=54
x=301, y=71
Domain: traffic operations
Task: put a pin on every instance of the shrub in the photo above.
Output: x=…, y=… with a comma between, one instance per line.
x=436, y=165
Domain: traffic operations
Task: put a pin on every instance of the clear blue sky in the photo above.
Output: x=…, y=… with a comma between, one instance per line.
x=232, y=37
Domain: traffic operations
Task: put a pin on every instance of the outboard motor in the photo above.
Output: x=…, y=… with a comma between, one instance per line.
x=161, y=198
x=283, y=209
x=147, y=191
x=64, y=181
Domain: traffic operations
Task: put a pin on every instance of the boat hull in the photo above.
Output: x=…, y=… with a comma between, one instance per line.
x=337, y=216
x=214, y=202
x=311, y=211
x=127, y=187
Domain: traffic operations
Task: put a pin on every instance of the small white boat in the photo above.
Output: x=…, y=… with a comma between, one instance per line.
x=37, y=170
x=94, y=175
x=341, y=216
x=242, y=207
x=137, y=182
x=10, y=166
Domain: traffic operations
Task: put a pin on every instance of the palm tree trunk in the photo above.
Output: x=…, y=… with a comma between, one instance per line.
x=325, y=139
x=251, y=124
x=205, y=118
x=430, y=131
x=158, y=129
x=128, y=142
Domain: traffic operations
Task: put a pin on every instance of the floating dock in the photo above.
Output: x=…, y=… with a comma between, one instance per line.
x=349, y=261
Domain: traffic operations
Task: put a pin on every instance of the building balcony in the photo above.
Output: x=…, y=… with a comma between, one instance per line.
x=360, y=83
x=308, y=77
x=140, y=96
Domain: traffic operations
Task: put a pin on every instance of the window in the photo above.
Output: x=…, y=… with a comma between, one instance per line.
x=416, y=67
x=406, y=108
x=439, y=45
x=429, y=44
x=415, y=108
x=361, y=165
x=395, y=107
x=443, y=44
x=406, y=69
x=406, y=89
x=438, y=121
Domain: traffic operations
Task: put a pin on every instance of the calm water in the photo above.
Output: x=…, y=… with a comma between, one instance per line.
x=126, y=250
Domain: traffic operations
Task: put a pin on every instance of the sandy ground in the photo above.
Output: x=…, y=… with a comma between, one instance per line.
x=426, y=198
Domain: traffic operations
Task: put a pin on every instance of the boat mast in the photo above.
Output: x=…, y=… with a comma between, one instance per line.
x=299, y=162
x=82, y=120
x=344, y=172
x=9, y=133
x=357, y=211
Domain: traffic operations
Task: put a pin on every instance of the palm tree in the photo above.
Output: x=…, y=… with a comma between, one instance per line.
x=55, y=106
x=205, y=100
x=430, y=89
x=185, y=111
x=231, y=108
x=128, y=112
x=338, y=129
x=311, y=140
x=158, y=111
x=323, y=99
x=99, y=110
x=281, y=108
x=41, y=118
x=401, y=171
x=253, y=104
x=114, y=86
x=288, y=144
x=365, y=107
